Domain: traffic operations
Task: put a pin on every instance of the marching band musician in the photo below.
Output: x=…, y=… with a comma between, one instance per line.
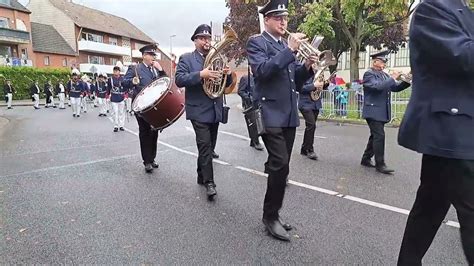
x=100, y=88
x=277, y=77
x=75, y=89
x=9, y=91
x=205, y=113
x=246, y=92
x=137, y=78
x=378, y=87
x=61, y=92
x=35, y=94
x=309, y=108
x=116, y=92
x=439, y=122
x=48, y=91
x=86, y=93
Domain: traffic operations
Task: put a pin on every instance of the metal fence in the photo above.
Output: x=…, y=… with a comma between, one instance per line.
x=348, y=104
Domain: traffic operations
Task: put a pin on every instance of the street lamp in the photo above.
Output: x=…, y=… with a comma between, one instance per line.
x=171, y=54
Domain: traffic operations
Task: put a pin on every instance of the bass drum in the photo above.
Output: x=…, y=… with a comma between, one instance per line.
x=160, y=104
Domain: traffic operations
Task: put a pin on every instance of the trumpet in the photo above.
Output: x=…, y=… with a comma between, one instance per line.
x=406, y=77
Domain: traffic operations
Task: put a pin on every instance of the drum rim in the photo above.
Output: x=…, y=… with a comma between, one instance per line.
x=159, y=100
x=171, y=121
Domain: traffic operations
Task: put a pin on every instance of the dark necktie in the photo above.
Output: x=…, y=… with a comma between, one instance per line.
x=152, y=72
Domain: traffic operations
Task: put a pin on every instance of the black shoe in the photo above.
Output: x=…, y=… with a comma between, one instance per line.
x=121, y=129
x=275, y=228
x=100, y=115
x=287, y=227
x=155, y=165
x=367, y=163
x=215, y=155
x=211, y=190
x=46, y=106
x=148, y=168
x=384, y=169
x=10, y=107
x=78, y=115
x=54, y=106
x=73, y=115
x=85, y=112
x=37, y=108
x=311, y=155
x=115, y=129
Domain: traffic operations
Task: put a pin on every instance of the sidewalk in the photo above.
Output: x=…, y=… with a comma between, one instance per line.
x=21, y=103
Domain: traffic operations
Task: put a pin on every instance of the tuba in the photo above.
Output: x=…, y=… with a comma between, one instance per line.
x=325, y=59
x=216, y=61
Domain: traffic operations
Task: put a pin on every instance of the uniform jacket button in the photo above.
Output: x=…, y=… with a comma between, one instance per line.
x=454, y=110
x=263, y=99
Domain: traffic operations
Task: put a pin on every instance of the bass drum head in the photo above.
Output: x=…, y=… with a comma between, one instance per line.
x=150, y=94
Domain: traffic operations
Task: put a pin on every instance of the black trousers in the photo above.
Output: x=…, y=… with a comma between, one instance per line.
x=252, y=129
x=206, y=138
x=376, y=144
x=148, y=140
x=310, y=118
x=279, y=144
x=443, y=182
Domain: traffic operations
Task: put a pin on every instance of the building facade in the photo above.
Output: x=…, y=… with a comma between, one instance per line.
x=15, y=37
x=99, y=40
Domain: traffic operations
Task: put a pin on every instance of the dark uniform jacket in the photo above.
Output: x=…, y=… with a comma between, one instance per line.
x=145, y=75
x=199, y=107
x=115, y=89
x=48, y=90
x=246, y=92
x=34, y=89
x=439, y=119
x=8, y=89
x=75, y=89
x=378, y=86
x=305, y=102
x=277, y=77
x=101, y=88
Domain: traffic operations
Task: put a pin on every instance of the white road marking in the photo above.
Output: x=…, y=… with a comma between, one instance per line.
x=72, y=165
x=302, y=185
x=234, y=135
x=315, y=136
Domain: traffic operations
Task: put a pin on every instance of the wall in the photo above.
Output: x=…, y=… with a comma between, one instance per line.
x=55, y=60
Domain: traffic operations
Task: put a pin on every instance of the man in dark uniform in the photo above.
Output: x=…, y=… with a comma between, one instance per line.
x=117, y=92
x=48, y=91
x=277, y=77
x=205, y=113
x=9, y=91
x=101, y=90
x=378, y=87
x=35, y=94
x=439, y=122
x=75, y=89
x=246, y=92
x=310, y=111
x=147, y=71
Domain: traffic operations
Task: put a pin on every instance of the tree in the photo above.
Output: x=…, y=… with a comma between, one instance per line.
x=354, y=24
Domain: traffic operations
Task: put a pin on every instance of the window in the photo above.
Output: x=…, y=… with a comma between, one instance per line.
x=4, y=23
x=92, y=37
x=402, y=57
x=96, y=60
x=361, y=60
x=6, y=2
x=64, y=62
x=113, y=41
x=113, y=61
x=46, y=60
x=339, y=62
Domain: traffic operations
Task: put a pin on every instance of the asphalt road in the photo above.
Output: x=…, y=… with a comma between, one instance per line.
x=72, y=191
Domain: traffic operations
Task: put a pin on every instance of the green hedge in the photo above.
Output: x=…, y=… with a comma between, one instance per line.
x=21, y=78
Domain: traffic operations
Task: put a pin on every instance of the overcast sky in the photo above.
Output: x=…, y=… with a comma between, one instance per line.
x=161, y=18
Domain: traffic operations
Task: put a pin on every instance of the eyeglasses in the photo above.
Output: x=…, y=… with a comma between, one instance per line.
x=280, y=18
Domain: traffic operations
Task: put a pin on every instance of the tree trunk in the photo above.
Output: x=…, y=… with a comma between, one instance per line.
x=354, y=63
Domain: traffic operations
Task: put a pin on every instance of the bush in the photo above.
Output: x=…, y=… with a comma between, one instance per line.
x=22, y=78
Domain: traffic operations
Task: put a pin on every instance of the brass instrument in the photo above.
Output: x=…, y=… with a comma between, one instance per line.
x=325, y=59
x=216, y=62
x=406, y=77
x=318, y=91
x=136, y=79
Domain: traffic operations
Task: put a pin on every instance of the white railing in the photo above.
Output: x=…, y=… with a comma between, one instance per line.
x=103, y=48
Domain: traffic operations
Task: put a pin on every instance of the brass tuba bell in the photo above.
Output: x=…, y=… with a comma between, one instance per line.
x=216, y=61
